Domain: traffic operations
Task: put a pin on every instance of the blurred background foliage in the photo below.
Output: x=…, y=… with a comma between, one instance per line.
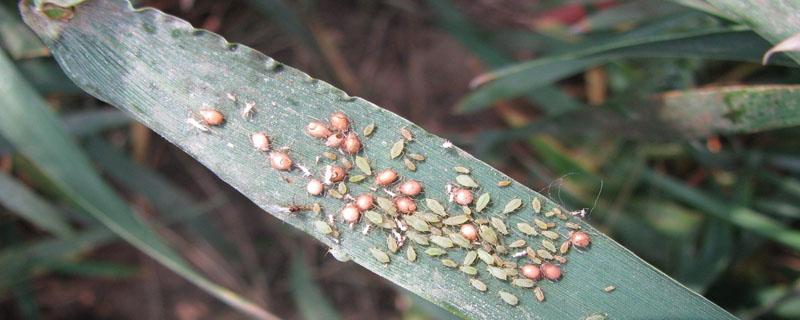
x=661, y=109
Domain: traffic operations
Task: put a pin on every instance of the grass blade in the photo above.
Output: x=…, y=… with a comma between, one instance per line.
x=29, y=206
x=37, y=134
x=103, y=31
x=308, y=296
x=516, y=80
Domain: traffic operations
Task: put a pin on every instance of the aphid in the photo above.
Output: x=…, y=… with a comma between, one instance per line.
x=504, y=183
x=462, y=196
x=409, y=165
x=197, y=124
x=512, y=205
x=441, y=241
x=523, y=283
x=477, y=284
x=323, y=227
x=560, y=259
x=340, y=121
x=342, y=188
x=483, y=201
x=379, y=255
x=335, y=140
x=547, y=244
x=596, y=316
x=469, y=231
x=580, y=239
x=317, y=129
x=386, y=177
x=212, y=117
x=551, y=272
x=417, y=223
x=416, y=157
x=365, y=201
x=316, y=208
x=405, y=205
x=455, y=220
x=517, y=244
x=539, y=293
x=573, y=226
x=280, y=160
x=488, y=234
x=333, y=174
x=369, y=129
x=391, y=243
x=315, y=187
x=397, y=149
x=411, y=254
x=508, y=298
x=498, y=224
x=410, y=188
x=460, y=240
x=357, y=178
x=469, y=258
x=435, y=206
x=487, y=258
x=352, y=144
x=466, y=181
x=536, y=204
x=248, y=110
x=435, y=251
x=260, y=141
x=550, y=234
x=526, y=229
x=461, y=169
x=564, y=247
x=351, y=213
x=497, y=273
x=329, y=155
x=449, y=263
x=363, y=165
x=609, y=289
x=406, y=134
x=468, y=270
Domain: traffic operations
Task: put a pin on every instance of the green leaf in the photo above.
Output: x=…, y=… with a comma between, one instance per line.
x=18, y=40
x=111, y=31
x=308, y=296
x=19, y=199
x=773, y=20
x=515, y=80
x=37, y=134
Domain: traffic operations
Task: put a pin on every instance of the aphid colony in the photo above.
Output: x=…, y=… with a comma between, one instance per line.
x=393, y=206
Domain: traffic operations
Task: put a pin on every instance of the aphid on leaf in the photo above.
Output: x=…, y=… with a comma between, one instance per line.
x=317, y=129
x=386, y=177
x=406, y=134
x=340, y=121
x=580, y=239
x=352, y=144
x=369, y=129
x=212, y=117
x=410, y=188
x=508, y=298
x=315, y=187
x=335, y=140
x=539, y=293
x=333, y=174
x=365, y=201
x=405, y=205
x=260, y=141
x=280, y=161
x=463, y=197
x=531, y=271
x=248, y=110
x=551, y=272
x=351, y=213
x=609, y=289
x=469, y=231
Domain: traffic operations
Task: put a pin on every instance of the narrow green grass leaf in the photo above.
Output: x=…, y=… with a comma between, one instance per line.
x=515, y=80
x=102, y=31
x=18, y=40
x=19, y=199
x=37, y=134
x=307, y=295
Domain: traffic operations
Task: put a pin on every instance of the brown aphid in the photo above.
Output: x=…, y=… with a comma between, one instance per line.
x=405, y=205
x=333, y=174
x=551, y=272
x=365, y=201
x=531, y=271
x=580, y=239
x=280, y=161
x=260, y=141
x=462, y=196
x=410, y=188
x=386, y=177
x=351, y=213
x=317, y=129
x=469, y=231
x=335, y=140
x=212, y=117
x=340, y=121
x=315, y=187
x=352, y=144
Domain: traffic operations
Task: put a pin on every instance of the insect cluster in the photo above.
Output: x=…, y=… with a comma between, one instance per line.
x=467, y=223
